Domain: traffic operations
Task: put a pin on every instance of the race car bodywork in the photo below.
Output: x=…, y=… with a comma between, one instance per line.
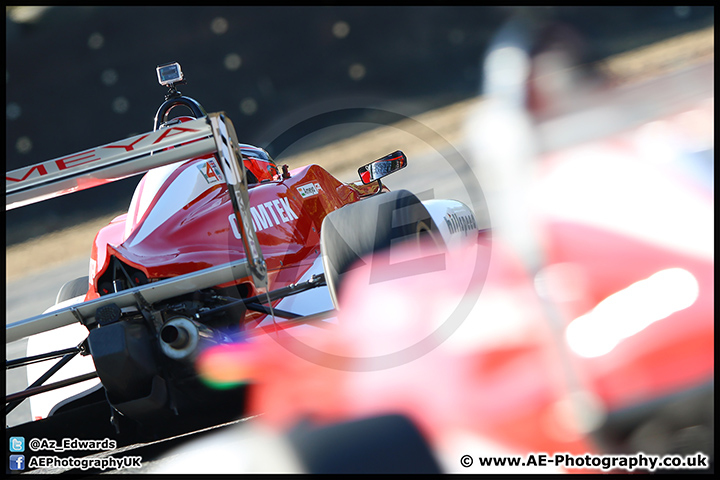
x=200, y=258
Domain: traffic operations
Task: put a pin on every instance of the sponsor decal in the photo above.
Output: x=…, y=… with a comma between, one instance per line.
x=210, y=171
x=463, y=222
x=309, y=189
x=92, y=155
x=266, y=215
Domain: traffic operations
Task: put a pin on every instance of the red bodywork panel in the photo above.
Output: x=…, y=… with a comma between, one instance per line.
x=199, y=235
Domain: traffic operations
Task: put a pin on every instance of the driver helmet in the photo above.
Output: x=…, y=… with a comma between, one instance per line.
x=260, y=167
x=259, y=164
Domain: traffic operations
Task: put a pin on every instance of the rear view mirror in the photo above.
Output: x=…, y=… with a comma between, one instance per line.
x=382, y=167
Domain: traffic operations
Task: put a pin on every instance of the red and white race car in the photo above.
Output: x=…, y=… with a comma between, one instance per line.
x=219, y=243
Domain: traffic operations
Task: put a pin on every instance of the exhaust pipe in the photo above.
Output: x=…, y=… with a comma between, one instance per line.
x=180, y=338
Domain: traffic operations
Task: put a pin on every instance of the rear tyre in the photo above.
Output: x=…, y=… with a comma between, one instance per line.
x=72, y=289
x=370, y=225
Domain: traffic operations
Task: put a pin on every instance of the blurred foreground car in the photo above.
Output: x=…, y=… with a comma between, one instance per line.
x=590, y=331
x=607, y=349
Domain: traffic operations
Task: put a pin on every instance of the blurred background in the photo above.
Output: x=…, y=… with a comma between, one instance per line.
x=79, y=77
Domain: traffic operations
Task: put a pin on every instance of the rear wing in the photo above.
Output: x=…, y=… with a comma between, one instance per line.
x=107, y=163
x=131, y=156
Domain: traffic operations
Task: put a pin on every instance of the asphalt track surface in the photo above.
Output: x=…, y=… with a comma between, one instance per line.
x=33, y=294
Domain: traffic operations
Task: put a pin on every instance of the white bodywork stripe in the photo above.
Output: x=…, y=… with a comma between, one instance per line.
x=144, y=194
x=187, y=186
